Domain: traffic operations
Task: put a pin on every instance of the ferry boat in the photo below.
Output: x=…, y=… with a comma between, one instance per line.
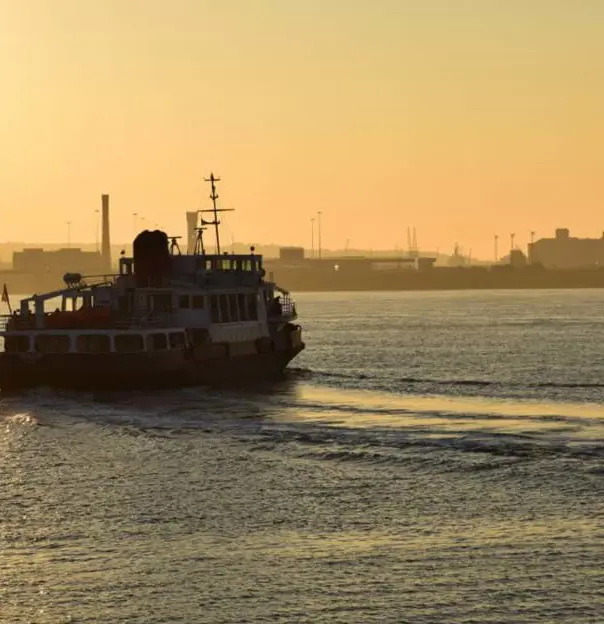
x=166, y=319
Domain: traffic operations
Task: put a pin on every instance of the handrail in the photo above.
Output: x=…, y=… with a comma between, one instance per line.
x=287, y=308
x=126, y=322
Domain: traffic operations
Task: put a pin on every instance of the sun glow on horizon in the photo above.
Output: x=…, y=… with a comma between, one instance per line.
x=459, y=120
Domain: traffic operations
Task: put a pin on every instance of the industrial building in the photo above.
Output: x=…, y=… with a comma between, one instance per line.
x=294, y=258
x=567, y=252
x=291, y=255
x=58, y=262
x=37, y=269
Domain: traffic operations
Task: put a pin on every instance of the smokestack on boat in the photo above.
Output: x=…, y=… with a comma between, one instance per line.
x=106, y=241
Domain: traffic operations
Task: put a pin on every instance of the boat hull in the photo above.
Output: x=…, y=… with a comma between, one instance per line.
x=96, y=372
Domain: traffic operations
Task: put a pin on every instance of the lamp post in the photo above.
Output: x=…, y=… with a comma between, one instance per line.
x=319, y=232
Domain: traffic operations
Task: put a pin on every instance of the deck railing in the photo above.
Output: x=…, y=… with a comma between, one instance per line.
x=287, y=309
x=111, y=322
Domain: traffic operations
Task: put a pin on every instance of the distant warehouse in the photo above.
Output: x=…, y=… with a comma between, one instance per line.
x=291, y=255
x=36, y=261
x=567, y=252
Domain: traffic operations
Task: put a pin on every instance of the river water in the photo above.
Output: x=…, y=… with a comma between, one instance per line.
x=431, y=457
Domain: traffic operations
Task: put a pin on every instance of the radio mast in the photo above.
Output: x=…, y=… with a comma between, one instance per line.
x=214, y=196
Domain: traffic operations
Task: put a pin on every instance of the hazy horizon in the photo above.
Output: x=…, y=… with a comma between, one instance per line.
x=462, y=119
x=269, y=249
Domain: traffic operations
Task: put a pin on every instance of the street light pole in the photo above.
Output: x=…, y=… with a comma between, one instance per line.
x=319, y=231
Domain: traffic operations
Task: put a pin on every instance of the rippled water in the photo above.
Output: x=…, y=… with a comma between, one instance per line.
x=432, y=457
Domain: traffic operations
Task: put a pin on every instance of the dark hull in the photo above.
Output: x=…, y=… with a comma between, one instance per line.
x=138, y=371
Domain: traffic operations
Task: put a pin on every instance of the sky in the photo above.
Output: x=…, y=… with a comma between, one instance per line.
x=461, y=118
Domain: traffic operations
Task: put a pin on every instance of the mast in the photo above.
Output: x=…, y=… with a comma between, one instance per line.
x=214, y=196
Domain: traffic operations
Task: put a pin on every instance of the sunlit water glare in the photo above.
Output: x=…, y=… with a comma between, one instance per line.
x=432, y=457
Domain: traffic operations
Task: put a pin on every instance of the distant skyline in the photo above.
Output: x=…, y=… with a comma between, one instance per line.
x=269, y=249
x=463, y=119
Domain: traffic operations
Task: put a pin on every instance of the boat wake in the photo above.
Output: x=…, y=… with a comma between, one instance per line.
x=307, y=373
x=316, y=423
x=388, y=381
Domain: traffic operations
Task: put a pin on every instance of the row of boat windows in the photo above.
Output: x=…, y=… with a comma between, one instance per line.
x=230, y=264
x=226, y=308
x=216, y=263
x=226, y=263
x=96, y=343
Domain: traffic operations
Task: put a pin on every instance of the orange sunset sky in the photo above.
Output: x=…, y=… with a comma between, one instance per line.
x=463, y=118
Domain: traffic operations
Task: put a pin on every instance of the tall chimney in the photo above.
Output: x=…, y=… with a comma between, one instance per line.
x=106, y=242
x=191, y=233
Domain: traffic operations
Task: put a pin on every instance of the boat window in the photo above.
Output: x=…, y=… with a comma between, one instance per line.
x=162, y=303
x=77, y=303
x=243, y=312
x=224, y=309
x=197, y=302
x=199, y=336
x=158, y=342
x=16, y=344
x=125, y=266
x=233, y=307
x=252, y=308
x=93, y=343
x=128, y=343
x=214, y=309
x=177, y=341
x=208, y=264
x=183, y=301
x=49, y=343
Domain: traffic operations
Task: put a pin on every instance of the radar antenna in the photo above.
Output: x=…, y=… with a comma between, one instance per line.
x=214, y=196
x=174, y=245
